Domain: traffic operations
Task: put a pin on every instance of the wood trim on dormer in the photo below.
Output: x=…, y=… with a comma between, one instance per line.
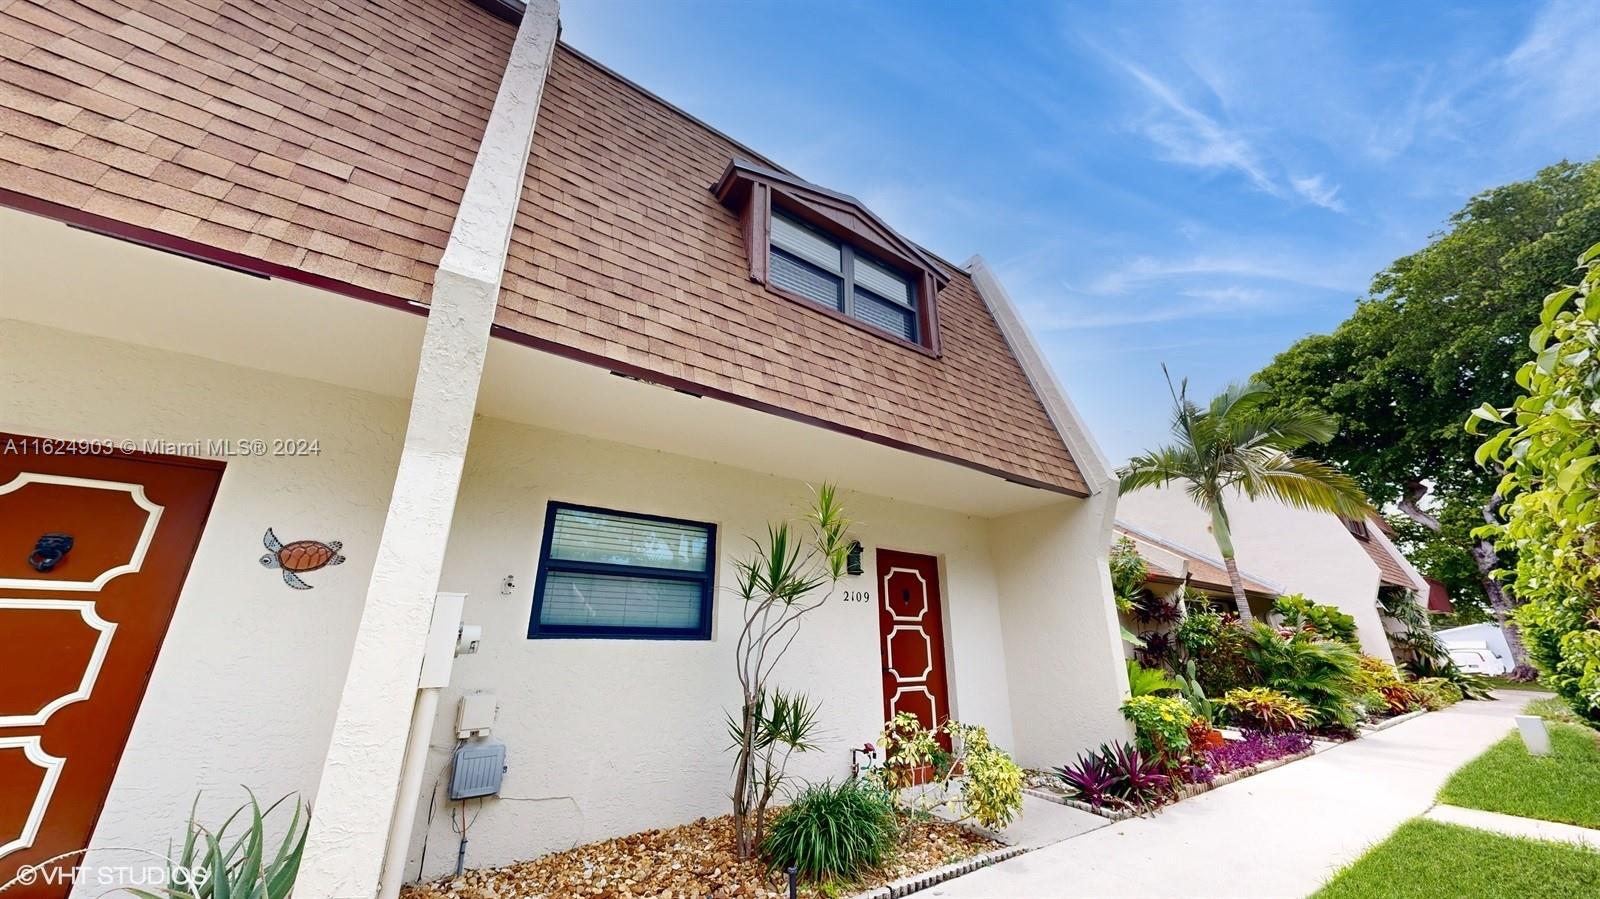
x=754, y=192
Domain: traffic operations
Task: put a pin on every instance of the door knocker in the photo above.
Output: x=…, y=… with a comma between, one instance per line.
x=49, y=551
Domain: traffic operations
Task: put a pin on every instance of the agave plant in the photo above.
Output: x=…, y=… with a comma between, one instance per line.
x=207, y=870
x=1091, y=778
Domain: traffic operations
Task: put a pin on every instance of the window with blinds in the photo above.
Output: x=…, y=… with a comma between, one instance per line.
x=614, y=574
x=807, y=262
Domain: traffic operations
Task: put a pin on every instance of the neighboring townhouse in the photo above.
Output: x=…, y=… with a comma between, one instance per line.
x=267, y=268
x=1328, y=559
x=1178, y=570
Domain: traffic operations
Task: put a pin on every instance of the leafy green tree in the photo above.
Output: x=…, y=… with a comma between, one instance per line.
x=1550, y=453
x=1442, y=331
x=1240, y=443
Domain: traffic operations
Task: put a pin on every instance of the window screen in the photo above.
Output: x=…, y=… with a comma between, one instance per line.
x=614, y=574
x=807, y=262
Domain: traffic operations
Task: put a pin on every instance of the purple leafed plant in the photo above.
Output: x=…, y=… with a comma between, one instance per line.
x=1150, y=607
x=1091, y=778
x=1157, y=648
x=1143, y=782
x=1255, y=748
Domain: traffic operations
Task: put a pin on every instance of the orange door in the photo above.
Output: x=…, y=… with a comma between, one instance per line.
x=911, y=631
x=80, y=628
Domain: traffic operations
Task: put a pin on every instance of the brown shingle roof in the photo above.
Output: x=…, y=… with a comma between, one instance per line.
x=1204, y=572
x=623, y=252
x=327, y=137
x=1390, y=570
x=336, y=139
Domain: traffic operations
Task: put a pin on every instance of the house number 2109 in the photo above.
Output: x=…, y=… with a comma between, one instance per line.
x=857, y=596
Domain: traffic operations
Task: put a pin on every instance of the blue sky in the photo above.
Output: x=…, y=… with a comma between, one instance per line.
x=1198, y=184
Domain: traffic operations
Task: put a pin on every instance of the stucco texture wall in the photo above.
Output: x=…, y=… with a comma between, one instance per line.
x=244, y=690
x=1304, y=552
x=607, y=737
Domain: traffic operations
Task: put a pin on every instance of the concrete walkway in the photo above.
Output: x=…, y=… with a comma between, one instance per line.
x=1515, y=826
x=1280, y=833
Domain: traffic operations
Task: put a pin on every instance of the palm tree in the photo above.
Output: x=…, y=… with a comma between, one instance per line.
x=1239, y=443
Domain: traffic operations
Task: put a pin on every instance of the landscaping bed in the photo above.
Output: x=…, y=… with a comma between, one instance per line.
x=693, y=860
x=1428, y=860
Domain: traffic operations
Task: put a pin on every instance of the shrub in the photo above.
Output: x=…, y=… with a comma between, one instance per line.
x=1216, y=644
x=991, y=790
x=1203, y=736
x=1326, y=621
x=1266, y=709
x=1400, y=698
x=1144, y=681
x=1436, y=693
x=1321, y=673
x=833, y=831
x=1128, y=572
x=1160, y=725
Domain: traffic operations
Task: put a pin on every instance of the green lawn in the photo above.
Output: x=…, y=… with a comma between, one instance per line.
x=1427, y=860
x=1564, y=786
x=1554, y=709
x=1496, y=682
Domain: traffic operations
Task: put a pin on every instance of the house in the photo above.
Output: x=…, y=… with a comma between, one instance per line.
x=1345, y=564
x=1178, y=571
x=317, y=316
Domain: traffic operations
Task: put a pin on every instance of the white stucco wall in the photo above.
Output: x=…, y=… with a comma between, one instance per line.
x=1303, y=552
x=607, y=737
x=244, y=690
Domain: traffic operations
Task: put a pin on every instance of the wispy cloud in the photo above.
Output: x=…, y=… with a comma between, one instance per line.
x=1189, y=136
x=1316, y=189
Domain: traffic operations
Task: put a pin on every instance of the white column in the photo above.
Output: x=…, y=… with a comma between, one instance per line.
x=356, y=796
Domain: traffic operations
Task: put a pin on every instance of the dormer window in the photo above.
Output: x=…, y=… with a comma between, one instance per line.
x=1357, y=528
x=837, y=275
x=825, y=250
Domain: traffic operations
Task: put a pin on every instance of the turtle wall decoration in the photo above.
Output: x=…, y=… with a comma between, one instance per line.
x=299, y=557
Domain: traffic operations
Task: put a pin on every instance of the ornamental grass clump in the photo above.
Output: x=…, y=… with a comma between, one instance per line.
x=834, y=832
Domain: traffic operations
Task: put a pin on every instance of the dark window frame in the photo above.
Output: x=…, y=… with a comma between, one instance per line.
x=848, y=252
x=1358, y=529
x=537, y=630
x=752, y=192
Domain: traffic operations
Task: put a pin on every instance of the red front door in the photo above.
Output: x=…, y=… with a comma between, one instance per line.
x=911, y=638
x=79, y=630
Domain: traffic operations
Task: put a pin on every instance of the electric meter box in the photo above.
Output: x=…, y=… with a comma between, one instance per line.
x=477, y=769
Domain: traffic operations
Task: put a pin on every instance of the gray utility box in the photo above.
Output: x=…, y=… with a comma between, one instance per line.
x=477, y=769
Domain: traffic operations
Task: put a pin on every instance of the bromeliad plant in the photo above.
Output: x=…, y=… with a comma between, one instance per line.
x=1119, y=776
x=781, y=582
x=216, y=864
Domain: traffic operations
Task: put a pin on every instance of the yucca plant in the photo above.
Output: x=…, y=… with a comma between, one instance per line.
x=834, y=831
x=206, y=870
